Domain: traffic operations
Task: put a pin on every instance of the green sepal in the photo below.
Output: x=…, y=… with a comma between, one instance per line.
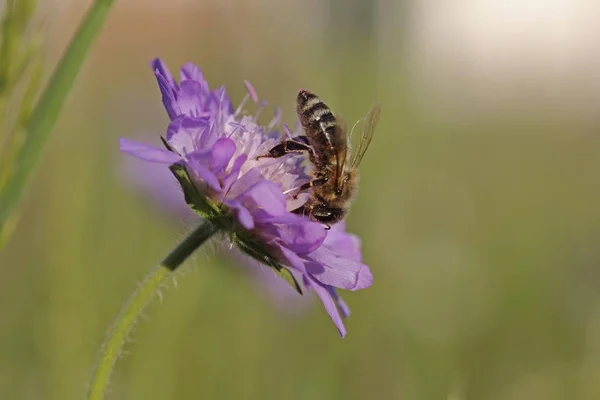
x=196, y=200
x=253, y=247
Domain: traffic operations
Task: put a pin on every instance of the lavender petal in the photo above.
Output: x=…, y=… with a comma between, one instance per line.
x=330, y=306
x=147, y=152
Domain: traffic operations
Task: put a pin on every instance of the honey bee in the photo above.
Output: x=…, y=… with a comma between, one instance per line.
x=334, y=183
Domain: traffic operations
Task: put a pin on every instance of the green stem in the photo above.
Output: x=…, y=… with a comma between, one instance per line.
x=131, y=311
x=47, y=109
x=194, y=240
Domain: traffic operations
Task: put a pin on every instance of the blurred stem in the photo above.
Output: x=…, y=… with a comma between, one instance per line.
x=16, y=136
x=131, y=311
x=47, y=109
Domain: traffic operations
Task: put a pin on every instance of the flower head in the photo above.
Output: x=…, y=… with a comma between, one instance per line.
x=212, y=150
x=157, y=182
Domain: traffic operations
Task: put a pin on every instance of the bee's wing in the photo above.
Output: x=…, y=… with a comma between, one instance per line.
x=366, y=135
x=341, y=152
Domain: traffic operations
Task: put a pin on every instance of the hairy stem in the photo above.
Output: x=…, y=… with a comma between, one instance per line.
x=194, y=240
x=131, y=311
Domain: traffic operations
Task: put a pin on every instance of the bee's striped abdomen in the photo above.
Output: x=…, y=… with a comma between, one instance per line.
x=319, y=123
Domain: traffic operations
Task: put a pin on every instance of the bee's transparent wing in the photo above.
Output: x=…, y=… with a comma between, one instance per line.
x=342, y=151
x=361, y=144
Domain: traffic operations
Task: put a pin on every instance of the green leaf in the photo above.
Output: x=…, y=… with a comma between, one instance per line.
x=196, y=200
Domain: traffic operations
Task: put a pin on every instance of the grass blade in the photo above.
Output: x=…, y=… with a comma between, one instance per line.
x=47, y=110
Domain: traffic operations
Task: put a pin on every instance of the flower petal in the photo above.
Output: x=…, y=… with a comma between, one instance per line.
x=192, y=72
x=147, y=152
x=302, y=236
x=225, y=106
x=331, y=269
x=341, y=304
x=343, y=243
x=234, y=172
x=222, y=151
x=159, y=67
x=167, y=87
x=200, y=130
x=265, y=196
x=244, y=217
x=191, y=98
x=292, y=258
x=330, y=305
x=186, y=135
x=244, y=182
x=196, y=163
x=242, y=214
x=178, y=138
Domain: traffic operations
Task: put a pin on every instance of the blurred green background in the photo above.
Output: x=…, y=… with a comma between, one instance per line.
x=478, y=208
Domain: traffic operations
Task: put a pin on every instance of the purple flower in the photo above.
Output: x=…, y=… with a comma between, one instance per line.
x=156, y=181
x=212, y=149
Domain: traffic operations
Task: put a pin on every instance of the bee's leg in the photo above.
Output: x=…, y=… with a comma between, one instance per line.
x=311, y=153
x=287, y=147
x=308, y=185
x=300, y=210
x=301, y=139
x=306, y=210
